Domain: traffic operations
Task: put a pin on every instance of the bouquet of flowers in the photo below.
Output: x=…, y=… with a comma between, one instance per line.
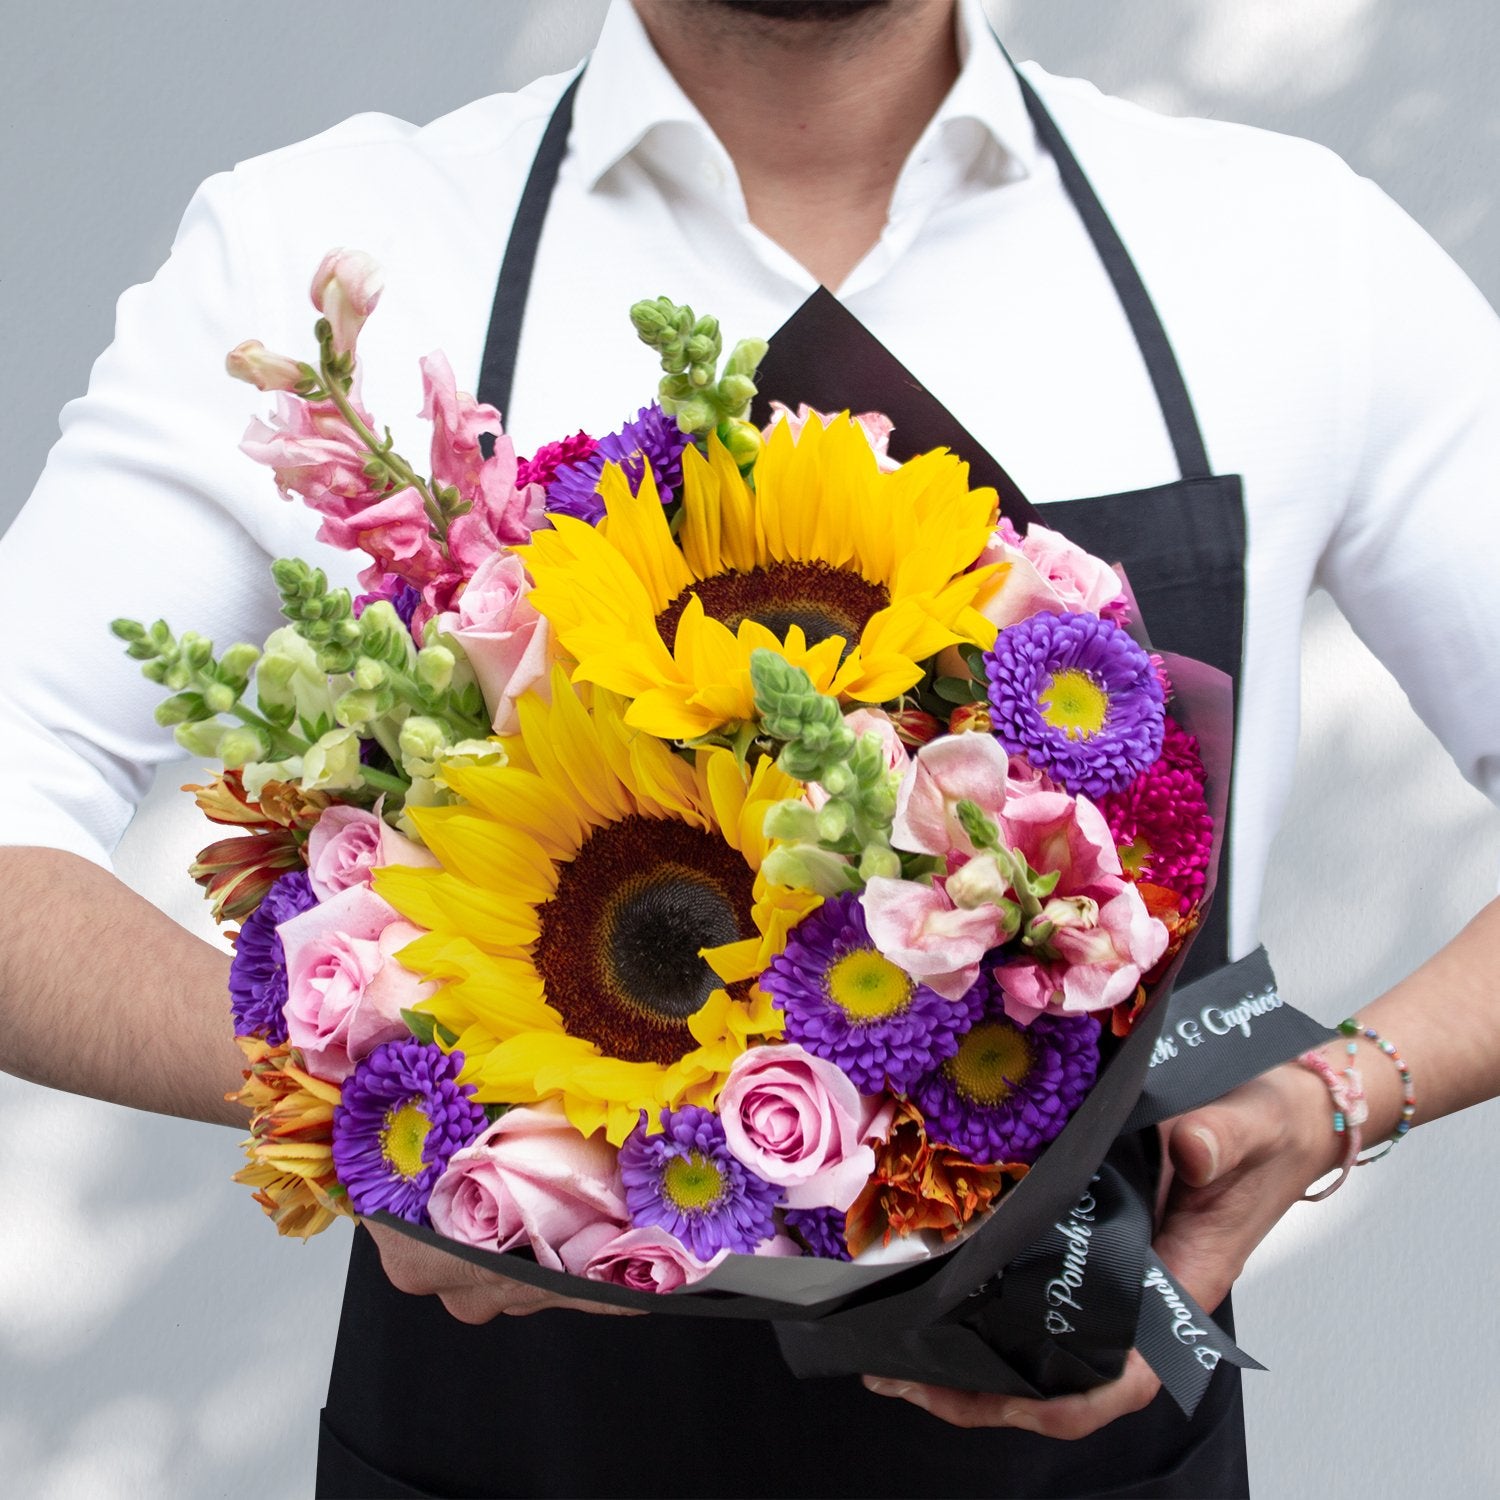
x=699, y=852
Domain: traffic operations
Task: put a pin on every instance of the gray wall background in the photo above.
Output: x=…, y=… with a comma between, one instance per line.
x=134, y=1359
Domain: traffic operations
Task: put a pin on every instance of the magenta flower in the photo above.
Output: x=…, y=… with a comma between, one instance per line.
x=1161, y=821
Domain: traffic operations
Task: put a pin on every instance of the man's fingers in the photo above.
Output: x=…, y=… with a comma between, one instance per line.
x=1064, y=1417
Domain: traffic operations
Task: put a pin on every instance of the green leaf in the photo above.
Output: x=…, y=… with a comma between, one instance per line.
x=956, y=690
x=421, y=1026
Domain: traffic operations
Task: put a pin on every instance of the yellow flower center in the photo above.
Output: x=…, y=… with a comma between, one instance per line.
x=404, y=1137
x=990, y=1061
x=1135, y=856
x=692, y=1182
x=866, y=985
x=1073, y=702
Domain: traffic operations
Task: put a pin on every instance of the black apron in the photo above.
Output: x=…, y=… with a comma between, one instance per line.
x=569, y=1404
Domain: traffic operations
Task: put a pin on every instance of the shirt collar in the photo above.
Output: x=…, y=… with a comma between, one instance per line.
x=627, y=97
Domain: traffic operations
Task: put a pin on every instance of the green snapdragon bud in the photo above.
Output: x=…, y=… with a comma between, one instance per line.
x=200, y=737
x=369, y=674
x=878, y=860
x=834, y=820
x=422, y=742
x=357, y=708
x=791, y=821
x=219, y=697
x=237, y=663
x=435, y=666
x=242, y=744
x=181, y=708
x=983, y=831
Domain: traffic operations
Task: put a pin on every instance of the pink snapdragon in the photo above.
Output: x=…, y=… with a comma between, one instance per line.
x=253, y=363
x=346, y=288
x=1097, y=963
x=345, y=987
x=923, y=932
x=955, y=768
x=796, y=1120
x=501, y=512
x=348, y=843
x=531, y=1181
x=506, y=641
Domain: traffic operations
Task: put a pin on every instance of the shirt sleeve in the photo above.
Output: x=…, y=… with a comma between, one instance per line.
x=138, y=513
x=1414, y=561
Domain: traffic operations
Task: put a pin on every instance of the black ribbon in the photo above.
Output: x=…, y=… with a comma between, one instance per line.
x=1082, y=1286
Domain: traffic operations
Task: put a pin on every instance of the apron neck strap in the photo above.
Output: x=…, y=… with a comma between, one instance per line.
x=497, y=370
x=1145, y=322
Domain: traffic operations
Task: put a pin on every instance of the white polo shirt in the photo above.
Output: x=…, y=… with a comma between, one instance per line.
x=1337, y=358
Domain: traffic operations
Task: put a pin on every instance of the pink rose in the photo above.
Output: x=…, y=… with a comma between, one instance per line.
x=1047, y=574
x=945, y=772
x=348, y=843
x=1097, y=965
x=795, y=1120
x=646, y=1260
x=876, y=426
x=506, y=641
x=922, y=932
x=345, y=988
x=345, y=289
x=502, y=513
x=532, y=1180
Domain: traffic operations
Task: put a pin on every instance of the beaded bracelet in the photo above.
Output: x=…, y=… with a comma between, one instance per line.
x=1349, y=1114
x=1352, y=1029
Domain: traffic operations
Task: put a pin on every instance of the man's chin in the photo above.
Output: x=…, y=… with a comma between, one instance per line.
x=833, y=11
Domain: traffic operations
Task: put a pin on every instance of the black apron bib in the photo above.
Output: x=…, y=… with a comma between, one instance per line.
x=569, y=1404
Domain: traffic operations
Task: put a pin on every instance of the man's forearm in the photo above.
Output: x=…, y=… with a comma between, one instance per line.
x=102, y=994
x=1445, y=1020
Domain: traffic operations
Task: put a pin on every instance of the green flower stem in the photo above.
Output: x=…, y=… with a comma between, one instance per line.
x=283, y=742
x=409, y=691
x=389, y=457
x=385, y=780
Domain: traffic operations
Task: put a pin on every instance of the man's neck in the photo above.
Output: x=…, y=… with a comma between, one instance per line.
x=818, y=116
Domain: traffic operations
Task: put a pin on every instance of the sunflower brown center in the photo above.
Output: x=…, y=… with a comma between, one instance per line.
x=619, y=941
x=825, y=601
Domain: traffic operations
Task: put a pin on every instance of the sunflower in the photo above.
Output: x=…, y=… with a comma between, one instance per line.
x=599, y=917
x=856, y=575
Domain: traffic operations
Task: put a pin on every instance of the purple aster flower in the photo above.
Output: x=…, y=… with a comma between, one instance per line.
x=844, y=1000
x=1078, y=698
x=686, y=1181
x=402, y=1115
x=821, y=1230
x=1009, y=1089
x=653, y=437
x=257, y=976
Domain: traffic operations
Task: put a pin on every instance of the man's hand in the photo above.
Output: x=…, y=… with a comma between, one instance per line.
x=469, y=1292
x=1234, y=1167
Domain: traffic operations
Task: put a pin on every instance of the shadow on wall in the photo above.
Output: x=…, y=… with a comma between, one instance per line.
x=1404, y=93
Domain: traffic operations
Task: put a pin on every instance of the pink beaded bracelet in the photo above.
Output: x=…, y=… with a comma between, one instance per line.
x=1349, y=1114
